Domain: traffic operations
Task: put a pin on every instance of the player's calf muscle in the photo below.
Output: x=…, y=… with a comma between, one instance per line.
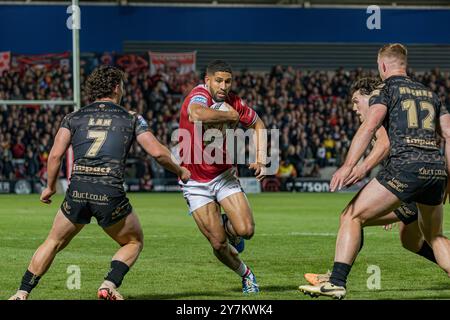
x=216, y=238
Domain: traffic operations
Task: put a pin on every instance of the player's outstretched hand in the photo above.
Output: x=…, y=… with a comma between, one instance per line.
x=358, y=173
x=185, y=175
x=339, y=178
x=260, y=170
x=46, y=195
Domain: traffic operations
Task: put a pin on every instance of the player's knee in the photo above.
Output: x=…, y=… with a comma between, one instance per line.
x=55, y=244
x=437, y=239
x=141, y=240
x=249, y=232
x=218, y=245
x=351, y=217
x=136, y=240
x=246, y=230
x=366, y=223
x=140, y=245
x=360, y=220
x=410, y=244
x=342, y=218
x=345, y=217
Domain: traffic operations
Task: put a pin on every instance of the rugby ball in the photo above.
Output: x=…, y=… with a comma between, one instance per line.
x=219, y=126
x=219, y=106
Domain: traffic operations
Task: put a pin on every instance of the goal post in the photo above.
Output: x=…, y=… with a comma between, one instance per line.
x=76, y=102
x=73, y=23
x=76, y=54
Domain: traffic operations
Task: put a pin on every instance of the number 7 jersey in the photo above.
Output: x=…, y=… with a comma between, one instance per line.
x=411, y=121
x=101, y=135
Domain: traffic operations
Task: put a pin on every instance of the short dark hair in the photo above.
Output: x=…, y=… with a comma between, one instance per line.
x=365, y=85
x=218, y=66
x=102, y=82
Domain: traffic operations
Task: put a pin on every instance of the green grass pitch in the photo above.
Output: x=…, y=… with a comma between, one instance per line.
x=295, y=233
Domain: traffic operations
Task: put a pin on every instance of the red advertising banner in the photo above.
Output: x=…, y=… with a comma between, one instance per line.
x=5, y=61
x=131, y=63
x=47, y=61
x=182, y=63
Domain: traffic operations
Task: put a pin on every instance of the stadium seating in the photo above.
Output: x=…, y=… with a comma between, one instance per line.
x=312, y=109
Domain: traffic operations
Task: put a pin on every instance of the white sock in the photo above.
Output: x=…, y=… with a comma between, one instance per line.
x=242, y=270
x=108, y=283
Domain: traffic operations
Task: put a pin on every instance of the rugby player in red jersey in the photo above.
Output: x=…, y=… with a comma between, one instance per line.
x=213, y=184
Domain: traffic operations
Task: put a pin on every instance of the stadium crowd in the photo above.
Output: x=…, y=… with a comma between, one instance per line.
x=312, y=110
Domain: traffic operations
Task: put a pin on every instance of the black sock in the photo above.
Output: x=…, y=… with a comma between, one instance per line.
x=362, y=239
x=117, y=272
x=29, y=281
x=427, y=252
x=339, y=274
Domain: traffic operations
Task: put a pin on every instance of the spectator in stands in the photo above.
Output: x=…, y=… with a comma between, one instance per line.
x=31, y=163
x=2, y=140
x=315, y=172
x=312, y=109
x=5, y=143
x=146, y=183
x=329, y=143
x=321, y=155
x=18, y=149
x=8, y=171
x=296, y=156
x=286, y=170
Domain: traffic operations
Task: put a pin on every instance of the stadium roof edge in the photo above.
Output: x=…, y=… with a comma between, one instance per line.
x=206, y=5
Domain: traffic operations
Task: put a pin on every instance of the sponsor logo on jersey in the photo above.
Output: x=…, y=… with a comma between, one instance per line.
x=422, y=143
x=199, y=99
x=90, y=196
x=91, y=170
x=397, y=185
x=432, y=172
x=405, y=211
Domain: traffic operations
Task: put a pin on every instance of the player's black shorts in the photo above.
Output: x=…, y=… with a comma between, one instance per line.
x=407, y=212
x=416, y=182
x=84, y=200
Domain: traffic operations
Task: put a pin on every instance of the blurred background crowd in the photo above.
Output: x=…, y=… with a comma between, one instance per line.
x=312, y=110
